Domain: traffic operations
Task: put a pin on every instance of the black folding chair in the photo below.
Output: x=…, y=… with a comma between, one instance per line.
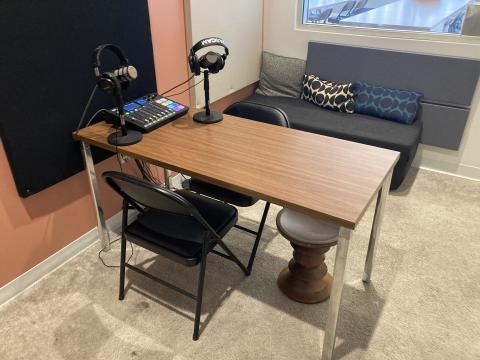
x=181, y=226
x=252, y=111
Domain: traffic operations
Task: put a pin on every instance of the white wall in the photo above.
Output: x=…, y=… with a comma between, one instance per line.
x=282, y=36
x=240, y=24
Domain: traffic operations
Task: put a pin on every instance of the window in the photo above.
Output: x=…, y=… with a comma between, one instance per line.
x=438, y=16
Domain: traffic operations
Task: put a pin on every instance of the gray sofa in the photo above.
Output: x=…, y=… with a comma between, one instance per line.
x=441, y=118
x=354, y=127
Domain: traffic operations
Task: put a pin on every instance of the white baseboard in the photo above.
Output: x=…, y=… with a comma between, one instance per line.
x=458, y=170
x=445, y=161
x=27, y=279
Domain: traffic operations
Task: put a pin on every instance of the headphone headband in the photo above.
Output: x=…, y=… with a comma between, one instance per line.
x=211, y=41
x=112, y=48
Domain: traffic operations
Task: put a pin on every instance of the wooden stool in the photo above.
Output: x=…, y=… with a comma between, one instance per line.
x=306, y=279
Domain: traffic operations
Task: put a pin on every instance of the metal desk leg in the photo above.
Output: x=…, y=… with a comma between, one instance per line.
x=336, y=294
x=103, y=233
x=168, y=177
x=377, y=223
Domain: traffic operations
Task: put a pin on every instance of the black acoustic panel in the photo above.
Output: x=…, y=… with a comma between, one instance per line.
x=47, y=76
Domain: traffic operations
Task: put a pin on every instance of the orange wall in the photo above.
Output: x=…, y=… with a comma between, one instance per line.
x=32, y=229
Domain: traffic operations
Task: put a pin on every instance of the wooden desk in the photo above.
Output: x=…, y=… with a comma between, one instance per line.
x=331, y=179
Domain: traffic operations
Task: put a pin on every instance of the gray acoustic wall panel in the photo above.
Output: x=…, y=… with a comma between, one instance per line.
x=441, y=79
x=448, y=83
x=443, y=126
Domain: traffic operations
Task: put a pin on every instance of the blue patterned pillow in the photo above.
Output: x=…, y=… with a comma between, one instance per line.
x=390, y=104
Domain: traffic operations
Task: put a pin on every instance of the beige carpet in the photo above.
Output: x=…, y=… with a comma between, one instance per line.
x=423, y=303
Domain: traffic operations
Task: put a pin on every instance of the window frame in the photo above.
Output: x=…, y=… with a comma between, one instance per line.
x=380, y=32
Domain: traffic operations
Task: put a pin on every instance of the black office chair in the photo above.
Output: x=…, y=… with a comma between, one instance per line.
x=455, y=26
x=251, y=111
x=181, y=226
x=314, y=15
x=324, y=16
x=359, y=7
x=344, y=13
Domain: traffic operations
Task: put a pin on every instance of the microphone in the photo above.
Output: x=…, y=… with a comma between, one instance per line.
x=125, y=73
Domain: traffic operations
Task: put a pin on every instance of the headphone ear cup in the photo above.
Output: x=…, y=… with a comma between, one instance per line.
x=224, y=57
x=106, y=84
x=220, y=64
x=194, y=64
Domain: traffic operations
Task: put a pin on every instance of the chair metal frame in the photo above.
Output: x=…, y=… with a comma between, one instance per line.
x=257, y=234
x=129, y=203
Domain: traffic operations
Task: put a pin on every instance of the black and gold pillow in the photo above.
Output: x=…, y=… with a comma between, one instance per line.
x=327, y=94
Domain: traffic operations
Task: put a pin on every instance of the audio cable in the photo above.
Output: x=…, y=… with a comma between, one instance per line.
x=184, y=91
x=176, y=86
x=85, y=110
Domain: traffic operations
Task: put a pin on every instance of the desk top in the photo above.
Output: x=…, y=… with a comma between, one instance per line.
x=407, y=14
x=322, y=176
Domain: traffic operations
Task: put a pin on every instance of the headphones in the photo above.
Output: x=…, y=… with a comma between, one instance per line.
x=211, y=61
x=110, y=82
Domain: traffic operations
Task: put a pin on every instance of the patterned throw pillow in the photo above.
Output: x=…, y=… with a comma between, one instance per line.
x=330, y=95
x=389, y=104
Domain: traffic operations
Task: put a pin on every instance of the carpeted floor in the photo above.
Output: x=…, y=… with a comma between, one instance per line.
x=423, y=303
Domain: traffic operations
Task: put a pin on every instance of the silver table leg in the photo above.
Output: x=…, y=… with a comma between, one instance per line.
x=377, y=223
x=103, y=233
x=336, y=294
x=168, y=177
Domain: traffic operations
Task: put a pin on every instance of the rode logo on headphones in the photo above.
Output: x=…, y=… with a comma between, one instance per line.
x=212, y=41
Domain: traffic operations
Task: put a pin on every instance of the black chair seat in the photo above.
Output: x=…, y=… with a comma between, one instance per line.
x=182, y=235
x=218, y=192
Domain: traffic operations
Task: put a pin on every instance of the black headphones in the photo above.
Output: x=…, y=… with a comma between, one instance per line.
x=108, y=82
x=211, y=61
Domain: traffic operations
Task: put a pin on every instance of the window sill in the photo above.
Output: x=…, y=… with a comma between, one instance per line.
x=389, y=33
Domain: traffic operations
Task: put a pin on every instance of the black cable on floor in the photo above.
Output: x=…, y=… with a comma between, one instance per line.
x=113, y=242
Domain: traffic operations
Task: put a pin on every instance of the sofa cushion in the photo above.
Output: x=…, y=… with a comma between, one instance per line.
x=280, y=76
x=327, y=94
x=389, y=104
x=354, y=127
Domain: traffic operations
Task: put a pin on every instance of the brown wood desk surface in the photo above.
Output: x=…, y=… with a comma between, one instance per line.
x=322, y=176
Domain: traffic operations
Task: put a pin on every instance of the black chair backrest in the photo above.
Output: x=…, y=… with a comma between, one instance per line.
x=325, y=15
x=347, y=8
x=152, y=196
x=360, y=5
x=258, y=112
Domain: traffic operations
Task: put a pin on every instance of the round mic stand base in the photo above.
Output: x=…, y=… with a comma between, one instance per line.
x=203, y=118
x=131, y=137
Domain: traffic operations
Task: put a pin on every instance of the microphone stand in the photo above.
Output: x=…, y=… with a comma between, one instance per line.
x=207, y=116
x=123, y=137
